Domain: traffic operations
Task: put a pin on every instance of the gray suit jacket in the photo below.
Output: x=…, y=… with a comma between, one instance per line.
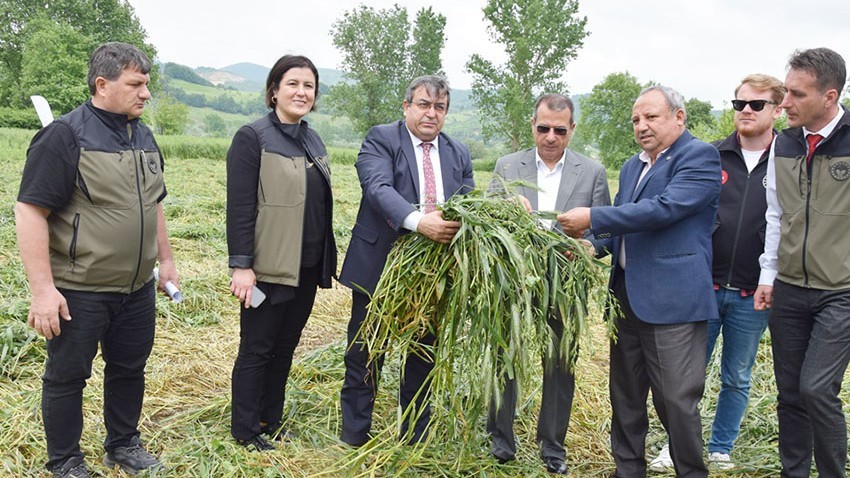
x=583, y=180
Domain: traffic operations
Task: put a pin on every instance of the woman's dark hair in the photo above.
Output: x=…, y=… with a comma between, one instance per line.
x=284, y=64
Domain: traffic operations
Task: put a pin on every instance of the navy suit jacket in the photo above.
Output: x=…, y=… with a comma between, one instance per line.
x=389, y=178
x=667, y=222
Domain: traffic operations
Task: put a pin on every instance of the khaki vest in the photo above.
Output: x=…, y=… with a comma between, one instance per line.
x=814, y=249
x=104, y=239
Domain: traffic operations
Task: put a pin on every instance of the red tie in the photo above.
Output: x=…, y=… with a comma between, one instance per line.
x=430, y=181
x=813, y=140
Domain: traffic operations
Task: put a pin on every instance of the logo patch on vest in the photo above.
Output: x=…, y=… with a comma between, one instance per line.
x=151, y=162
x=840, y=171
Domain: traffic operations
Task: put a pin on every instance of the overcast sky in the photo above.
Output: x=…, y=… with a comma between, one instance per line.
x=701, y=48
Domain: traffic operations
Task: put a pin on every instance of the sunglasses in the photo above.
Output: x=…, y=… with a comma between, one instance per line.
x=755, y=105
x=559, y=130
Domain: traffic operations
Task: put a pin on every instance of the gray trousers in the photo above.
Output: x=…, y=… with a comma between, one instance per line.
x=670, y=361
x=554, y=418
x=810, y=335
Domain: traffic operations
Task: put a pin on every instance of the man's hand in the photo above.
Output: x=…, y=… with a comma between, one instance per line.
x=46, y=307
x=584, y=243
x=525, y=202
x=242, y=285
x=167, y=273
x=575, y=221
x=763, y=298
x=434, y=227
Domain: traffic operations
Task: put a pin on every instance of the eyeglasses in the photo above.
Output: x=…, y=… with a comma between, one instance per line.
x=756, y=105
x=559, y=130
x=426, y=105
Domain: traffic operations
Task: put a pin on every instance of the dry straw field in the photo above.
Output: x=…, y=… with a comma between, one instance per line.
x=186, y=415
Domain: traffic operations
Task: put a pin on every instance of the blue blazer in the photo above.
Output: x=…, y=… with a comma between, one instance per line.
x=667, y=222
x=389, y=178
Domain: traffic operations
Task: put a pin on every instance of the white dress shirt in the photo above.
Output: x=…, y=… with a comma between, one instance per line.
x=549, y=182
x=769, y=258
x=411, y=222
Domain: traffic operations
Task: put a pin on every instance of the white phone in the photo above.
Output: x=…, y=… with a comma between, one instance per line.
x=257, y=297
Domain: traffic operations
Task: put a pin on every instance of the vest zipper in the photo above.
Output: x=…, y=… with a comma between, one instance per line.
x=738, y=229
x=141, y=208
x=809, y=170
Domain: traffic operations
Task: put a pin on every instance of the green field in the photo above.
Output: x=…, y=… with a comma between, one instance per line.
x=186, y=415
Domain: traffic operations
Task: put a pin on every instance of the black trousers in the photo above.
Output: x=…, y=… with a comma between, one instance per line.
x=670, y=361
x=555, y=407
x=357, y=398
x=123, y=325
x=268, y=337
x=810, y=335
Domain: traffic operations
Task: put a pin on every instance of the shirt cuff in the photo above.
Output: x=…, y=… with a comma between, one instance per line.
x=411, y=222
x=766, y=277
x=241, y=262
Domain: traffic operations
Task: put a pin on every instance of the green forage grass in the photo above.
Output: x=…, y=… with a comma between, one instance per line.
x=486, y=298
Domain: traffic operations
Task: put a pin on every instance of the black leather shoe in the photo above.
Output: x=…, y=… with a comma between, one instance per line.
x=258, y=443
x=555, y=466
x=502, y=460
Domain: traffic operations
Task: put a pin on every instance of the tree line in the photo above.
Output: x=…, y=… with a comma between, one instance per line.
x=45, y=44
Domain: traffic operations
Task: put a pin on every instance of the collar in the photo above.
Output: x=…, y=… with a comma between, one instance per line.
x=416, y=141
x=115, y=121
x=542, y=166
x=644, y=156
x=826, y=130
x=289, y=129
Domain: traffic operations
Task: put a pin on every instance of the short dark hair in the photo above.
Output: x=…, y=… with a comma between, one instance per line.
x=435, y=85
x=281, y=66
x=826, y=65
x=555, y=102
x=110, y=59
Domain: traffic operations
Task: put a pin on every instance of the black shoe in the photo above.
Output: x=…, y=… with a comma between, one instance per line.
x=72, y=468
x=555, y=466
x=258, y=443
x=355, y=442
x=502, y=460
x=278, y=434
x=132, y=458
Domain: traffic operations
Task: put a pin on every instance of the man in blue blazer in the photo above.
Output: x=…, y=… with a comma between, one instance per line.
x=405, y=169
x=659, y=231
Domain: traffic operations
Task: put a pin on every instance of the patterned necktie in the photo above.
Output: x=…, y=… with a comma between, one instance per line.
x=813, y=140
x=430, y=180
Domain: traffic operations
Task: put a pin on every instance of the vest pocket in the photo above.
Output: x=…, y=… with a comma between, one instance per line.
x=282, y=180
x=72, y=249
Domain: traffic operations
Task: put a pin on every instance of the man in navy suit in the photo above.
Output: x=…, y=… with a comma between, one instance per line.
x=659, y=231
x=405, y=169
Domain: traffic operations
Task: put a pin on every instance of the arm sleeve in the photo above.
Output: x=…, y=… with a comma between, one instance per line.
x=768, y=259
x=243, y=175
x=50, y=171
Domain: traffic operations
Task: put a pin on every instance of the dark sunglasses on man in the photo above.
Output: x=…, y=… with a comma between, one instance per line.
x=755, y=105
x=559, y=130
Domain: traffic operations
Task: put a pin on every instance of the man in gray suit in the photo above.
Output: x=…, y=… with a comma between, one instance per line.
x=566, y=180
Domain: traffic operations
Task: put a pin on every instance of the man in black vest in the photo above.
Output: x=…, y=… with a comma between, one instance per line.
x=90, y=229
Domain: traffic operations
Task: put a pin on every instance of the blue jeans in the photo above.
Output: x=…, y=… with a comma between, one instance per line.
x=742, y=328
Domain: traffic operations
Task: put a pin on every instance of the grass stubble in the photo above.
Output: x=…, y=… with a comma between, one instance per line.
x=187, y=411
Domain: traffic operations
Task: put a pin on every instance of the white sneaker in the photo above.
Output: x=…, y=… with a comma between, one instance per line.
x=662, y=462
x=721, y=461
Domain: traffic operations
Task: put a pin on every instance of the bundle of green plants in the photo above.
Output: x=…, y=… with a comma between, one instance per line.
x=486, y=298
